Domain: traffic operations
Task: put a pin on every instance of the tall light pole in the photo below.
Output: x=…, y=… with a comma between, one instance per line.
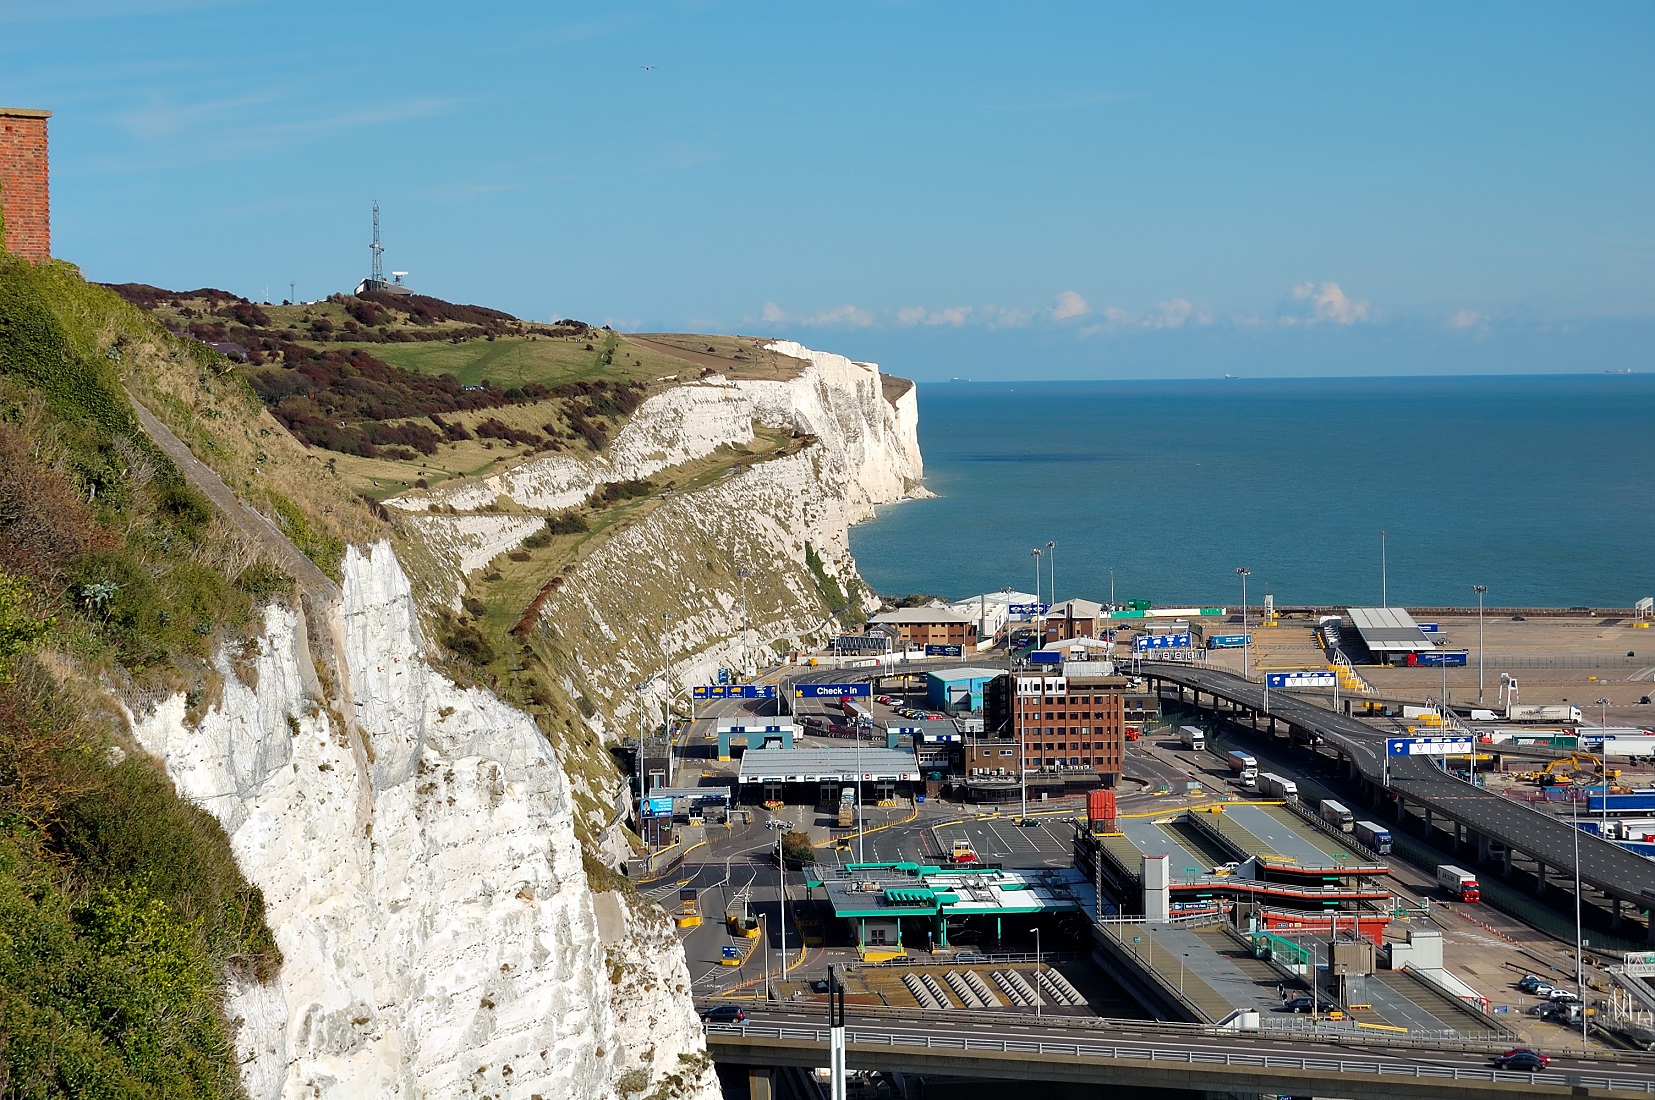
x=1039, y=619
x=666, y=705
x=1603, y=763
x=1580, y=965
x=746, y=621
x=1384, y=595
x=1051, y=563
x=1037, y=972
x=781, y=876
x=1246, y=668
x=1481, y=590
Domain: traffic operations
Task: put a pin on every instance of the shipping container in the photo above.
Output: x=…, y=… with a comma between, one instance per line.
x=1453, y=658
x=1229, y=641
x=1374, y=836
x=1100, y=806
x=1636, y=802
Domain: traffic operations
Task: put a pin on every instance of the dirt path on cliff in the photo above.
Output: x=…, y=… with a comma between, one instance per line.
x=252, y=524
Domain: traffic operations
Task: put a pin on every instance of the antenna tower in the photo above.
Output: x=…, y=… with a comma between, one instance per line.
x=377, y=251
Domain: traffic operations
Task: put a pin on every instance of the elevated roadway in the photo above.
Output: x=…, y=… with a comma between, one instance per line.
x=1135, y=1054
x=1493, y=820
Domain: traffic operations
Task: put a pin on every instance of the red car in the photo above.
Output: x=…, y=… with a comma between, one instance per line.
x=1522, y=1058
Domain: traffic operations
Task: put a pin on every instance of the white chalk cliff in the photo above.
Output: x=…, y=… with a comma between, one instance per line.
x=416, y=841
x=423, y=879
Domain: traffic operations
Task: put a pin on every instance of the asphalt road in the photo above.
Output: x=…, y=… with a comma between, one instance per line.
x=1611, y=869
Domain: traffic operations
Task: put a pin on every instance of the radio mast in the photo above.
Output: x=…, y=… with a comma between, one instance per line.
x=377, y=251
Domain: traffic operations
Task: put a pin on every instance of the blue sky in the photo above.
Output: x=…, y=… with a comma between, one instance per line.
x=954, y=189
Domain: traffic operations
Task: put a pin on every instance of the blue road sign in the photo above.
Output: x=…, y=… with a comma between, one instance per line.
x=863, y=690
x=729, y=952
x=1030, y=608
x=1427, y=746
x=1300, y=679
x=1162, y=641
x=660, y=807
x=723, y=675
x=943, y=650
x=733, y=691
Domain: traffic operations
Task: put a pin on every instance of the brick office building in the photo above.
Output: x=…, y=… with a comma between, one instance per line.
x=928, y=626
x=25, y=184
x=1072, y=619
x=1076, y=717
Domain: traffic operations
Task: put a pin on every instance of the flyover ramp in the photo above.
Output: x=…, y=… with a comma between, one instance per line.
x=1606, y=867
x=1134, y=1055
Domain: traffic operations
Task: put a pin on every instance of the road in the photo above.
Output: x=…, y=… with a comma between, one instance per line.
x=1349, y=1060
x=1604, y=866
x=255, y=526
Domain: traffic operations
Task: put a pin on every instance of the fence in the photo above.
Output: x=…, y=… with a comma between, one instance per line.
x=1342, y=1066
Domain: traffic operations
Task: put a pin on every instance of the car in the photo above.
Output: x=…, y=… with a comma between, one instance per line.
x=1563, y=996
x=1529, y=1060
x=1542, y=989
x=1298, y=1004
x=724, y=1014
x=1524, y=1053
x=1528, y=983
x=936, y=717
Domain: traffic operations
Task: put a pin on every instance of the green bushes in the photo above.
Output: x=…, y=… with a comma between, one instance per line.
x=121, y=906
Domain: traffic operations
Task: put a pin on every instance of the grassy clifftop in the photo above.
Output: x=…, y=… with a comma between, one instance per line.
x=122, y=911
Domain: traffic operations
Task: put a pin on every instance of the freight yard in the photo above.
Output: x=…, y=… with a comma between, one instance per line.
x=1129, y=823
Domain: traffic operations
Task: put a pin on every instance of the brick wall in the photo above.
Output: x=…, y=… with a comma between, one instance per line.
x=25, y=184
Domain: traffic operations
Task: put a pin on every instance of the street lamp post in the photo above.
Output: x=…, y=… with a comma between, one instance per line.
x=1580, y=966
x=1481, y=590
x=781, y=905
x=1603, y=762
x=1384, y=594
x=1246, y=669
x=1051, y=563
x=1037, y=958
x=666, y=705
x=1040, y=620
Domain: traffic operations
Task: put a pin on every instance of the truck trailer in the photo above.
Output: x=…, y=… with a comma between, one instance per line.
x=1335, y=814
x=1374, y=836
x=1459, y=882
x=1278, y=786
x=1633, y=802
x=1246, y=768
x=1544, y=712
x=1193, y=737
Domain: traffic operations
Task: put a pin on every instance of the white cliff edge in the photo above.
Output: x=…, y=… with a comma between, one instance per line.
x=422, y=875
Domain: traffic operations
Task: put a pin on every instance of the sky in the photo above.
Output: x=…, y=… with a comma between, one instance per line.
x=952, y=189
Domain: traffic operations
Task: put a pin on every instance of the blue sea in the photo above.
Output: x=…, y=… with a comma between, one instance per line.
x=1541, y=488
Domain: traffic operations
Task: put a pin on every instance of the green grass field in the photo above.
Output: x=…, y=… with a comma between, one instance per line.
x=515, y=360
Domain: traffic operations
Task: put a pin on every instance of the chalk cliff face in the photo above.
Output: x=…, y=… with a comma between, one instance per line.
x=415, y=845
x=418, y=843
x=685, y=559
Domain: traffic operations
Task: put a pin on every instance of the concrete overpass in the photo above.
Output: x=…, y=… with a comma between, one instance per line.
x=1478, y=816
x=1138, y=1055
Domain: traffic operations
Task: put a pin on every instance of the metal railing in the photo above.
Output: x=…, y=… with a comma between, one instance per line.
x=1342, y=1066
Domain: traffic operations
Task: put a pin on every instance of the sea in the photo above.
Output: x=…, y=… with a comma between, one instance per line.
x=1351, y=491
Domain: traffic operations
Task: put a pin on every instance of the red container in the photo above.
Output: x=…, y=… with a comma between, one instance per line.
x=1100, y=805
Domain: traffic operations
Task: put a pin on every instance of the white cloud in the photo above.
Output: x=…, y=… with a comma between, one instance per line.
x=1467, y=318
x=1324, y=303
x=953, y=316
x=1069, y=305
x=845, y=316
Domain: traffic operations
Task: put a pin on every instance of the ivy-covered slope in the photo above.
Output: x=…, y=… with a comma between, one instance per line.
x=122, y=911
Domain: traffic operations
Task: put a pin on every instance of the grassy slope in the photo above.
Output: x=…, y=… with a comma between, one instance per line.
x=121, y=907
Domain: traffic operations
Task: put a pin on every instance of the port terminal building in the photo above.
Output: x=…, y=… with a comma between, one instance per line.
x=889, y=906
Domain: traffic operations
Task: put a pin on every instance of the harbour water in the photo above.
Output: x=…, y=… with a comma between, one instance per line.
x=1540, y=487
